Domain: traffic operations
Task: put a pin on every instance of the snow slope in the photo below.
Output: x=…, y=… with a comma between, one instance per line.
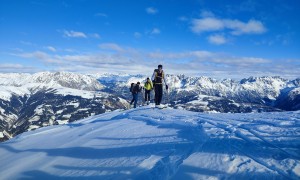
x=147, y=143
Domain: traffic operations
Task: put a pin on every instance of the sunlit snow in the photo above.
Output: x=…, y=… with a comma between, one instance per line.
x=147, y=143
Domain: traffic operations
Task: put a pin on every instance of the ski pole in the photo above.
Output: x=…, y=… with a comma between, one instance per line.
x=143, y=96
x=168, y=97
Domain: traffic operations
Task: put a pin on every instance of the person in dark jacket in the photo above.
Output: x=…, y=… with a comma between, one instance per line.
x=131, y=89
x=135, y=91
x=158, y=78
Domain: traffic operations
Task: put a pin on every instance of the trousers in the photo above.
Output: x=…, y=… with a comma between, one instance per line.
x=147, y=95
x=158, y=93
x=134, y=99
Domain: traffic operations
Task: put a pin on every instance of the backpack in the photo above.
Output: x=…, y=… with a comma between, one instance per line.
x=156, y=71
x=158, y=79
x=131, y=87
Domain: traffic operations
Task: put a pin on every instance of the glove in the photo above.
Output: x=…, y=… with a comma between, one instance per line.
x=167, y=87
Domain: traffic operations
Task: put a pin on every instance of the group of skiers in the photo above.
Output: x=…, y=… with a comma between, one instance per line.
x=155, y=83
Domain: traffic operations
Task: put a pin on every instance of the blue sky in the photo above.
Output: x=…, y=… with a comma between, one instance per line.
x=216, y=38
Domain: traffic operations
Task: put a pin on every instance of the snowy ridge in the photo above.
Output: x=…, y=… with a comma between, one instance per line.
x=120, y=79
x=31, y=101
x=262, y=86
x=48, y=79
x=246, y=95
x=21, y=84
x=146, y=143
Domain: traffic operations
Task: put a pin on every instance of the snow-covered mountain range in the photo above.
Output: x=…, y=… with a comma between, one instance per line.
x=30, y=101
x=228, y=95
x=149, y=143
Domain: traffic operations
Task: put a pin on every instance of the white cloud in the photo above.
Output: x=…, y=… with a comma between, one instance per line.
x=186, y=62
x=217, y=39
x=77, y=34
x=206, y=13
x=8, y=65
x=181, y=55
x=137, y=35
x=238, y=27
x=151, y=10
x=18, y=68
x=202, y=54
x=155, y=31
x=95, y=35
x=37, y=55
x=27, y=43
x=101, y=15
x=50, y=48
x=209, y=24
x=69, y=50
x=111, y=46
x=74, y=34
x=17, y=49
x=183, y=18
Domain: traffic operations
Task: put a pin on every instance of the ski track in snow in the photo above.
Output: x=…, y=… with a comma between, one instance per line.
x=147, y=143
x=240, y=134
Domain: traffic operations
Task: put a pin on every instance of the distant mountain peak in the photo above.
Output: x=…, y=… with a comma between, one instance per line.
x=52, y=79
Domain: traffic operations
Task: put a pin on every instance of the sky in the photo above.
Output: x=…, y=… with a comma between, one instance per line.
x=215, y=38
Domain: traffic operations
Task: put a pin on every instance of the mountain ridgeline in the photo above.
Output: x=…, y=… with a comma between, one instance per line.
x=30, y=101
x=204, y=94
x=247, y=95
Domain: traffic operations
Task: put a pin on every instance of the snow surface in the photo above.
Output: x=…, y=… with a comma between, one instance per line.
x=148, y=143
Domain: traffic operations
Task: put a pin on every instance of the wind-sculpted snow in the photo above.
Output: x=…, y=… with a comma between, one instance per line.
x=148, y=143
